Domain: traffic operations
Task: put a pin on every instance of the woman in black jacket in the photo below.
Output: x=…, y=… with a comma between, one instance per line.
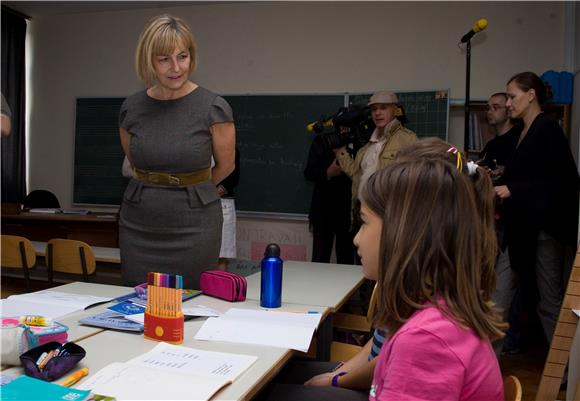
x=541, y=198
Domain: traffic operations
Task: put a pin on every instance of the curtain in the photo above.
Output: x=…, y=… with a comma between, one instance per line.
x=13, y=80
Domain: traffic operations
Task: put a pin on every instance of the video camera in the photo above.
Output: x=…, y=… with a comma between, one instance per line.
x=356, y=118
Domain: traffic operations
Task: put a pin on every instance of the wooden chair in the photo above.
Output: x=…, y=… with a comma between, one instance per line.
x=512, y=389
x=563, y=337
x=340, y=351
x=69, y=256
x=18, y=253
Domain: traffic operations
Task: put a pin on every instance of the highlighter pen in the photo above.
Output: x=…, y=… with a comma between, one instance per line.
x=75, y=377
x=31, y=320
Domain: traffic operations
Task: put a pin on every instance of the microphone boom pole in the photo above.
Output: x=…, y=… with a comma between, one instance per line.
x=479, y=26
x=467, y=109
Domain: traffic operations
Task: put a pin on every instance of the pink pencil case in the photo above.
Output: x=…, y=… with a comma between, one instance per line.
x=224, y=285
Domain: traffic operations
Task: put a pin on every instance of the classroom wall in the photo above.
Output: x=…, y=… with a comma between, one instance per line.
x=297, y=47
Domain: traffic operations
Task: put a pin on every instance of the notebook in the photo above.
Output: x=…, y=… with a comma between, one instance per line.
x=112, y=320
x=169, y=372
x=28, y=388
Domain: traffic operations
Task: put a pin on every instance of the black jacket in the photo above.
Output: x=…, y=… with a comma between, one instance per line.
x=331, y=196
x=544, y=184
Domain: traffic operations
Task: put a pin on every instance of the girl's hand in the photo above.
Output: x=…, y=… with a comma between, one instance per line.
x=503, y=191
x=324, y=379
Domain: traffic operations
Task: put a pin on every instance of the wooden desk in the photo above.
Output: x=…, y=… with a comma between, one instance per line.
x=102, y=254
x=77, y=331
x=109, y=346
x=94, y=229
x=309, y=283
x=323, y=284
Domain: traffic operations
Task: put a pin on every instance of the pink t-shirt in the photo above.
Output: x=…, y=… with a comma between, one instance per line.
x=432, y=358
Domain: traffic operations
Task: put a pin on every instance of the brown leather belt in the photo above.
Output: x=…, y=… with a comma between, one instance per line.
x=174, y=179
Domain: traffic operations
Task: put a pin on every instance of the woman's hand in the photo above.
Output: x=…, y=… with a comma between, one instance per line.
x=503, y=191
x=324, y=379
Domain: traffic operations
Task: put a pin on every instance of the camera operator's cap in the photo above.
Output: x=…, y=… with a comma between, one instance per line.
x=383, y=97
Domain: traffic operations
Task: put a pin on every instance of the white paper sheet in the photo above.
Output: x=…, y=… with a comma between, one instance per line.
x=276, y=329
x=137, y=318
x=200, y=310
x=14, y=308
x=47, y=303
x=132, y=382
x=195, y=362
x=196, y=310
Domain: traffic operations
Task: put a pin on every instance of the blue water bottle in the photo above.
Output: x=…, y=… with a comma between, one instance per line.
x=271, y=289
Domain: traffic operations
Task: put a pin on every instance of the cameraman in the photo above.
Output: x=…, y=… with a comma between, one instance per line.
x=388, y=137
x=330, y=208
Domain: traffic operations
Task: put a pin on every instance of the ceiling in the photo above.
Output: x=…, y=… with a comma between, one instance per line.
x=48, y=8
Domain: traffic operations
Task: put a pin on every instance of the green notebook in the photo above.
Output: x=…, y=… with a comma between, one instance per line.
x=28, y=388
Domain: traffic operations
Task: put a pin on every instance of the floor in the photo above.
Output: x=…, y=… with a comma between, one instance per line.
x=526, y=365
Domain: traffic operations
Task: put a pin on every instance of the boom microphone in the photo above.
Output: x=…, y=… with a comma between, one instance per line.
x=480, y=25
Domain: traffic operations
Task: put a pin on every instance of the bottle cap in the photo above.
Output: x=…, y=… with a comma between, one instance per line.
x=272, y=250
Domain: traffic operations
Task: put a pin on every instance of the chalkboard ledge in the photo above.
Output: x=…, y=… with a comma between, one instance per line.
x=272, y=215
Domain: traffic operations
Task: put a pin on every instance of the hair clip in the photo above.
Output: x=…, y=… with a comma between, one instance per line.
x=454, y=150
x=471, y=168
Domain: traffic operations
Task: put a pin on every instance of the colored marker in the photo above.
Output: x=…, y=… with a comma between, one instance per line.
x=75, y=377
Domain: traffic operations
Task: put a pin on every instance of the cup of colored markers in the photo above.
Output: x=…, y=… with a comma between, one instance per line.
x=163, y=315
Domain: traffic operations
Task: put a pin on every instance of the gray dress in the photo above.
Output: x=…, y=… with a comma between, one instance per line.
x=170, y=229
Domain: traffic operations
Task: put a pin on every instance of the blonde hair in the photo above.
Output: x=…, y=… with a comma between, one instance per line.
x=161, y=36
x=431, y=246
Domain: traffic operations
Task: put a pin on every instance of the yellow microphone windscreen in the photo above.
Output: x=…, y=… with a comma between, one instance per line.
x=480, y=25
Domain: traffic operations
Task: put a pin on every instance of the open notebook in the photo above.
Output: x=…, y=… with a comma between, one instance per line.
x=169, y=372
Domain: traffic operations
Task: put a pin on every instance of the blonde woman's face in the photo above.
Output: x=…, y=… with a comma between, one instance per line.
x=172, y=70
x=368, y=242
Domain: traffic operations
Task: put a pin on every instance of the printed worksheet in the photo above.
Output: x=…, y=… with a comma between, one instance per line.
x=191, y=361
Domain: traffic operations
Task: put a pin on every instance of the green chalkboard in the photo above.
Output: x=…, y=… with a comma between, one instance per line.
x=427, y=111
x=271, y=136
x=273, y=142
x=98, y=153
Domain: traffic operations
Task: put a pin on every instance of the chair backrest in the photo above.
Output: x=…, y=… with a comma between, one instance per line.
x=372, y=306
x=40, y=198
x=17, y=252
x=70, y=256
x=512, y=389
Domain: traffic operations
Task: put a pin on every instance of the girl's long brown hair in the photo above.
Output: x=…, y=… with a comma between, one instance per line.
x=436, y=148
x=431, y=246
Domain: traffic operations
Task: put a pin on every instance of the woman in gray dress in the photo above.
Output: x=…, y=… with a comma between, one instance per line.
x=171, y=217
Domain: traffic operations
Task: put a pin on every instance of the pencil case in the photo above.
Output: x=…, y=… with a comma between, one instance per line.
x=69, y=355
x=39, y=335
x=15, y=341
x=224, y=285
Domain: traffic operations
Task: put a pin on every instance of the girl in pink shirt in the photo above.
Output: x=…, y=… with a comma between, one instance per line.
x=435, y=281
